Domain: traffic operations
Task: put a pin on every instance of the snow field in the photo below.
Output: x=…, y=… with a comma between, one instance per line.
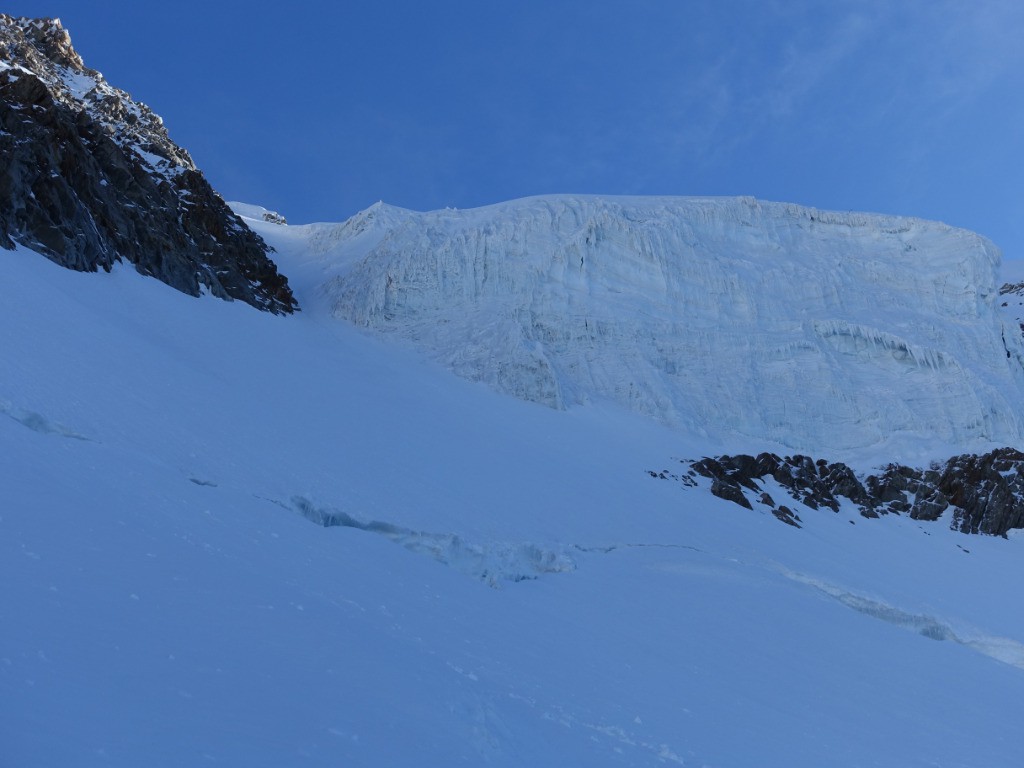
x=168, y=601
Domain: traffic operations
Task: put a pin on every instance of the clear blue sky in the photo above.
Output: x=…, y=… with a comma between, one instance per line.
x=913, y=107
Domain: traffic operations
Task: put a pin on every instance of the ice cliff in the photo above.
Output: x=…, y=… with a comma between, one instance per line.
x=723, y=316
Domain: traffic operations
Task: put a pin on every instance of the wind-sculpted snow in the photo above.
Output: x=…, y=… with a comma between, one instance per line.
x=726, y=317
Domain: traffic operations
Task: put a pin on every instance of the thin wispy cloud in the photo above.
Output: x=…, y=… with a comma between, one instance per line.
x=979, y=44
x=847, y=69
x=756, y=82
x=809, y=64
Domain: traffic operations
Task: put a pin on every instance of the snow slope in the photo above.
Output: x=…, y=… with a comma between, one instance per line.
x=501, y=583
x=840, y=333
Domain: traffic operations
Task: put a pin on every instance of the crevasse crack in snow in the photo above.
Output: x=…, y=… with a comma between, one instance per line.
x=1004, y=649
x=492, y=562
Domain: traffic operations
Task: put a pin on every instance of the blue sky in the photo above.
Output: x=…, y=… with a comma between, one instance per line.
x=913, y=107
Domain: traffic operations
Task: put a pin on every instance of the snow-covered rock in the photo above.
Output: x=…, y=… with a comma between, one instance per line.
x=90, y=177
x=817, y=330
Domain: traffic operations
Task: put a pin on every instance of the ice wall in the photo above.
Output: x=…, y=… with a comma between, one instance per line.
x=722, y=316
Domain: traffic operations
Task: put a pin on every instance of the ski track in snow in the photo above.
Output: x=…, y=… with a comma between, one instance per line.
x=621, y=737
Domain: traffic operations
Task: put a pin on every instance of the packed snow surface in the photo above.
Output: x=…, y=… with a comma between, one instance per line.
x=230, y=538
x=820, y=331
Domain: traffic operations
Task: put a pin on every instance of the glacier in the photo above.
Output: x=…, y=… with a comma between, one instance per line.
x=731, y=318
x=234, y=538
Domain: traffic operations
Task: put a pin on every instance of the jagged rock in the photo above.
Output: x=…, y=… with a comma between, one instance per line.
x=730, y=492
x=986, y=492
x=906, y=490
x=90, y=177
x=814, y=484
x=787, y=515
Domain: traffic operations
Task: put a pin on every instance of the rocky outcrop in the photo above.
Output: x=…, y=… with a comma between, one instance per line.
x=985, y=493
x=90, y=177
x=1012, y=295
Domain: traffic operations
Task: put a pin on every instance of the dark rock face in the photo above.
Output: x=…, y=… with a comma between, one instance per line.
x=1013, y=298
x=89, y=177
x=986, y=493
